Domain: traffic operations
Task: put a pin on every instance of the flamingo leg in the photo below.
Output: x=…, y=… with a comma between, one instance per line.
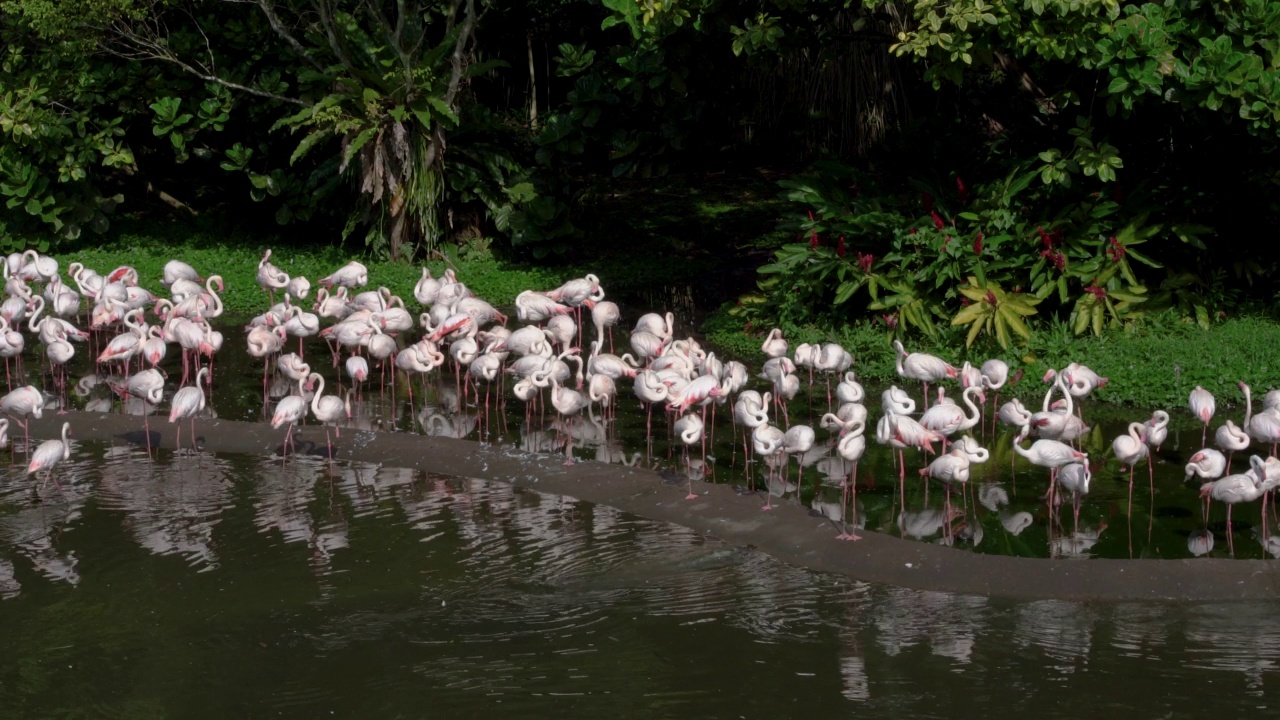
x=1231, y=547
x=852, y=490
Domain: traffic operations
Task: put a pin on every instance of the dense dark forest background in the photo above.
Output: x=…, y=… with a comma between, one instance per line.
x=931, y=163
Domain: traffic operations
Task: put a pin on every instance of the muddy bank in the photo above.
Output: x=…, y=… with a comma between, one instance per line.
x=788, y=532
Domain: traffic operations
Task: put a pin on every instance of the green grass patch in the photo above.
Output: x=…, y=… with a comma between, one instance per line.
x=1149, y=366
x=236, y=260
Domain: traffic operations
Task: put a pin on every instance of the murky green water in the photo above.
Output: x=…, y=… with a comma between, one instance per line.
x=228, y=587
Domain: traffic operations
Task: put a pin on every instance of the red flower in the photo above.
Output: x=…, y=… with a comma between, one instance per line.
x=964, y=301
x=912, y=231
x=890, y=320
x=1045, y=238
x=813, y=240
x=927, y=200
x=937, y=219
x=962, y=190
x=1057, y=259
x=1115, y=250
x=1098, y=292
x=977, y=243
x=840, y=247
x=864, y=262
x=991, y=298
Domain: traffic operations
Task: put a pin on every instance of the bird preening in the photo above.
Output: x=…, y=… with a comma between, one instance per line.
x=460, y=361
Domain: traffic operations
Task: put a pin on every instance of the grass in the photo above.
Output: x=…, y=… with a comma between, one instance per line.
x=236, y=260
x=1156, y=365
x=696, y=239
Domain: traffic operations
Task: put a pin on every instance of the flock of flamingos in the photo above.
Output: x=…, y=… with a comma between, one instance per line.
x=545, y=353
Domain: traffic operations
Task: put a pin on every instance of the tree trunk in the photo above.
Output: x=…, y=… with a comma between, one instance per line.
x=533, y=85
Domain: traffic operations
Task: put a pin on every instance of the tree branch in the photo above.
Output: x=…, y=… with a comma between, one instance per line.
x=460, y=51
x=269, y=10
x=132, y=45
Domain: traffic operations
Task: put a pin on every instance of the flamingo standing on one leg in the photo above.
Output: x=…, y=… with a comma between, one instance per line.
x=1231, y=438
x=1130, y=449
x=1051, y=454
x=925, y=368
x=1202, y=406
x=689, y=428
x=851, y=446
x=26, y=401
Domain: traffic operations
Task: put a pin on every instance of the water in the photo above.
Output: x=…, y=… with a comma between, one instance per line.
x=1003, y=509
x=230, y=587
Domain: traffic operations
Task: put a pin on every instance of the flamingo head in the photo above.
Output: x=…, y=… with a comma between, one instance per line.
x=1049, y=376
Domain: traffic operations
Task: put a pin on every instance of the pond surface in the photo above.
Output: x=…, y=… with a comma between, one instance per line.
x=204, y=585
x=1002, y=511
x=228, y=586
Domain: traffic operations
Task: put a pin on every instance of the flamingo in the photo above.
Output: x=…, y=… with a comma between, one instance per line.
x=775, y=345
x=1051, y=454
x=1202, y=406
x=750, y=411
x=766, y=440
x=1231, y=438
x=328, y=409
x=357, y=369
x=604, y=315
x=1207, y=464
x=661, y=325
x=1074, y=478
x=849, y=389
x=690, y=430
x=147, y=385
x=797, y=440
x=948, y=419
x=352, y=275
x=1130, y=449
x=50, y=453
x=1235, y=489
x=901, y=432
x=270, y=277
x=297, y=287
x=289, y=411
x=850, y=447
x=187, y=403
x=1157, y=429
x=922, y=367
x=1081, y=380
x=26, y=401
x=1263, y=427
x=1056, y=424
x=951, y=468
x=427, y=289
x=1014, y=413
x=897, y=401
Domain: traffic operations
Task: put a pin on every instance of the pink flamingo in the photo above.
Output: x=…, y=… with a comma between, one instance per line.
x=187, y=403
x=50, y=453
x=1202, y=406
x=922, y=367
x=1130, y=449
